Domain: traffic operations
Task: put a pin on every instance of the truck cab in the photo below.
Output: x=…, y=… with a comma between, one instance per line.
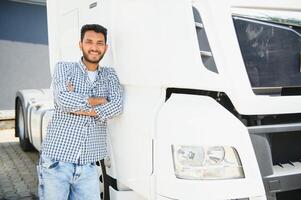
x=212, y=94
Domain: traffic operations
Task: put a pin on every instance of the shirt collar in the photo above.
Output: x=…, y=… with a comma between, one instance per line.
x=84, y=68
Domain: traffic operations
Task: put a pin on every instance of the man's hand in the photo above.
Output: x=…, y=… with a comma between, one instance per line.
x=91, y=113
x=94, y=101
x=70, y=87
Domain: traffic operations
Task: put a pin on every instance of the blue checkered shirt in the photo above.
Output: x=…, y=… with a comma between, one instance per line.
x=77, y=138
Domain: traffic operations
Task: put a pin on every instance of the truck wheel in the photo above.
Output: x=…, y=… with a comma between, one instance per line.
x=20, y=126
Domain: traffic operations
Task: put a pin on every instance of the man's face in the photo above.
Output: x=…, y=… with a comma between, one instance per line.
x=93, y=46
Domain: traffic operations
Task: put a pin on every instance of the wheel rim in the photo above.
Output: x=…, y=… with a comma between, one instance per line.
x=21, y=125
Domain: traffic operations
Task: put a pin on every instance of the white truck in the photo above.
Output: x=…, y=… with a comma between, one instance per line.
x=212, y=93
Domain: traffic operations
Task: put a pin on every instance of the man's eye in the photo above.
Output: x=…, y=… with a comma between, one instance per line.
x=88, y=42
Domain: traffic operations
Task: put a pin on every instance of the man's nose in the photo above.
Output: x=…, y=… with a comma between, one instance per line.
x=94, y=47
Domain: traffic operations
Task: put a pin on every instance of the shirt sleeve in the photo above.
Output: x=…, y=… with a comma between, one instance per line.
x=66, y=100
x=114, y=106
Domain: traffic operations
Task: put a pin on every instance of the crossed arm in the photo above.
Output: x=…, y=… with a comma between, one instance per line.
x=92, y=101
x=99, y=107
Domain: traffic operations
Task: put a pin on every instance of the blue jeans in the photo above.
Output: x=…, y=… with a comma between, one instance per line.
x=62, y=181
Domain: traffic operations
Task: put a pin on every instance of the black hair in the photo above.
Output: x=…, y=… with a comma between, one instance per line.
x=93, y=27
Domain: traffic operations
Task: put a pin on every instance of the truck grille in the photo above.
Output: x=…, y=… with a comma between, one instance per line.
x=286, y=147
x=278, y=151
x=289, y=195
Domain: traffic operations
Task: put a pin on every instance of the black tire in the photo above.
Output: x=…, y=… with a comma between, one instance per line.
x=21, y=129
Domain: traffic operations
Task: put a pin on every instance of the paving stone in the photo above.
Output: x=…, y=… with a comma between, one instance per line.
x=18, y=179
x=24, y=193
x=12, y=198
x=5, y=185
x=8, y=190
x=28, y=198
x=10, y=193
x=21, y=188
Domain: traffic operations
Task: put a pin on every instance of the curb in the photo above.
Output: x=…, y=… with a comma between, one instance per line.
x=7, y=119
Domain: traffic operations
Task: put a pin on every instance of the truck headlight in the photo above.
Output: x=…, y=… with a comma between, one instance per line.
x=212, y=162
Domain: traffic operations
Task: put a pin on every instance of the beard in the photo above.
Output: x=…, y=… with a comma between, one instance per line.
x=91, y=60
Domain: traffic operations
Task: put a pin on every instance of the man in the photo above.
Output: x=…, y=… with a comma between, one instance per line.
x=85, y=96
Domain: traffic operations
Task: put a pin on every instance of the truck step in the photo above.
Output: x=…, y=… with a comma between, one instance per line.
x=206, y=53
x=199, y=25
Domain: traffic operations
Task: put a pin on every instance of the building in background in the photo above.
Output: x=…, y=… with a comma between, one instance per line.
x=24, y=60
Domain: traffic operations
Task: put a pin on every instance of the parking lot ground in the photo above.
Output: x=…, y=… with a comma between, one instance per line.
x=18, y=178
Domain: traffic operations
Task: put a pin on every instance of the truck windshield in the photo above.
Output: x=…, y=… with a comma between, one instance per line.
x=271, y=51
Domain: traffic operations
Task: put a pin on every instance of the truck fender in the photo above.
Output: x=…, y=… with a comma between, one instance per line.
x=28, y=98
x=197, y=120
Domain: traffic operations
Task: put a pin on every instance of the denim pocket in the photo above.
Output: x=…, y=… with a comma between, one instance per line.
x=48, y=163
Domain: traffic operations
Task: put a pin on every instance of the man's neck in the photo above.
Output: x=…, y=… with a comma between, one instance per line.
x=90, y=66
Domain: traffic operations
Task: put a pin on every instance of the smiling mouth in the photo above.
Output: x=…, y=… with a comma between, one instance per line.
x=94, y=53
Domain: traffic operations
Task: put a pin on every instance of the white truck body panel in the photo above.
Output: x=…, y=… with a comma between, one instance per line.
x=136, y=127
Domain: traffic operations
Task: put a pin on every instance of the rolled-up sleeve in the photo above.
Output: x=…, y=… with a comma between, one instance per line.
x=114, y=106
x=67, y=101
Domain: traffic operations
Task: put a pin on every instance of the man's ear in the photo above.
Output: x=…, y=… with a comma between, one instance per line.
x=80, y=44
x=106, y=47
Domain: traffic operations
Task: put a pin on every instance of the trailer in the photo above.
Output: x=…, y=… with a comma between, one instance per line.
x=212, y=96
